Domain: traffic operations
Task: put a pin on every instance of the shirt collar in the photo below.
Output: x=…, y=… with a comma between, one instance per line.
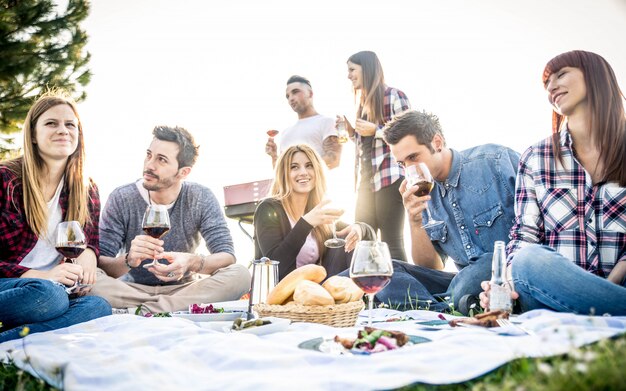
x=453, y=175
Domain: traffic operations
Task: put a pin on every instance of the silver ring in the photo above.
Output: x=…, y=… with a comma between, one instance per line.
x=171, y=274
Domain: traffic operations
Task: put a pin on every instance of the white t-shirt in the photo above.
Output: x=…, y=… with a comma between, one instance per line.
x=311, y=130
x=44, y=255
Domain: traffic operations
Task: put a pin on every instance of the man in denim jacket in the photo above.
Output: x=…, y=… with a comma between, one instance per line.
x=473, y=197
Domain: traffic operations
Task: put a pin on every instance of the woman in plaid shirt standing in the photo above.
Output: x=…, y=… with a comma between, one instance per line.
x=379, y=202
x=568, y=247
x=37, y=191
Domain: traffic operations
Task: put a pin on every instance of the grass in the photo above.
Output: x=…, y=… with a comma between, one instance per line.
x=13, y=378
x=600, y=366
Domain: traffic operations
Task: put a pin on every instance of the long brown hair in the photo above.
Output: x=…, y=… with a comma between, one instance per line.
x=282, y=191
x=30, y=169
x=606, y=102
x=373, y=91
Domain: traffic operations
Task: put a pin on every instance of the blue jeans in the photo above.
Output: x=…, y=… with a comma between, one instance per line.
x=415, y=286
x=546, y=279
x=42, y=305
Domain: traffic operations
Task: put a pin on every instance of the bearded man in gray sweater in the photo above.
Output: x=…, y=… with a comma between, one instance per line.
x=126, y=276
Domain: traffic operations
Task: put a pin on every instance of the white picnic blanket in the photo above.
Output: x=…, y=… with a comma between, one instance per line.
x=127, y=352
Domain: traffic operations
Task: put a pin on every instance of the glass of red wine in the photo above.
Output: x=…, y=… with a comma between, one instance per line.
x=420, y=176
x=71, y=243
x=371, y=269
x=156, y=223
x=272, y=133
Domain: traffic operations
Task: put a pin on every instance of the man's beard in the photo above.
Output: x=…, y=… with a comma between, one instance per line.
x=160, y=184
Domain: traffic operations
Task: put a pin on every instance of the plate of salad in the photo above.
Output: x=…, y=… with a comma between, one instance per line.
x=207, y=313
x=369, y=340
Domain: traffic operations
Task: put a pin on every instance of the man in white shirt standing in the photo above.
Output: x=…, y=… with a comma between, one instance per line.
x=312, y=128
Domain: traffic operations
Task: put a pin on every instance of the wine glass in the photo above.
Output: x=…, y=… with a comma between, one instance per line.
x=342, y=133
x=334, y=242
x=420, y=175
x=71, y=243
x=272, y=133
x=156, y=223
x=371, y=269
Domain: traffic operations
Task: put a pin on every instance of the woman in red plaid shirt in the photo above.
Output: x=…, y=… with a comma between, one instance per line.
x=568, y=247
x=37, y=191
x=379, y=202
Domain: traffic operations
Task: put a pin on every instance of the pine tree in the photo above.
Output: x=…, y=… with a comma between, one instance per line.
x=41, y=46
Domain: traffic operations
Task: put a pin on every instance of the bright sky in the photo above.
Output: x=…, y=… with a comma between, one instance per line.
x=219, y=69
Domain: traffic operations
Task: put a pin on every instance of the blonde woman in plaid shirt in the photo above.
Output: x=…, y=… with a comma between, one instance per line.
x=568, y=247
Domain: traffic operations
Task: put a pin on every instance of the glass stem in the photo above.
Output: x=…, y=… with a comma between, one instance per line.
x=428, y=214
x=370, y=303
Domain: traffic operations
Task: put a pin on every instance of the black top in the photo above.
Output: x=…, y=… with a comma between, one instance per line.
x=274, y=238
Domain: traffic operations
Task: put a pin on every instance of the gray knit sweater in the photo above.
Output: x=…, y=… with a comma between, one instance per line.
x=195, y=212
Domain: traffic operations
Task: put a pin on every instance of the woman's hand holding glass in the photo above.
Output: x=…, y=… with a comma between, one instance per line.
x=322, y=214
x=353, y=234
x=365, y=128
x=64, y=273
x=334, y=242
x=71, y=243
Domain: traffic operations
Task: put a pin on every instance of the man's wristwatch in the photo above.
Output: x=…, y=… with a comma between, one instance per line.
x=126, y=261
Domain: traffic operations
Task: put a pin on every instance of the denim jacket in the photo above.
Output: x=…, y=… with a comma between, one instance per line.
x=475, y=202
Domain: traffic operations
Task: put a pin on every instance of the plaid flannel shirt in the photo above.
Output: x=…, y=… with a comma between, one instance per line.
x=558, y=206
x=16, y=237
x=386, y=170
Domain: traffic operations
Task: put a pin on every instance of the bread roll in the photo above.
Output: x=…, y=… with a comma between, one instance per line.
x=311, y=293
x=287, y=285
x=342, y=289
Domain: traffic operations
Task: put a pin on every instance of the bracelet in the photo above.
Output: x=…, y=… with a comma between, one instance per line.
x=126, y=261
x=202, y=258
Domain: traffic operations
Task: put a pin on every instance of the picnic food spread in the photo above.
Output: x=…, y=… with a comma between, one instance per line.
x=486, y=319
x=302, y=286
x=374, y=340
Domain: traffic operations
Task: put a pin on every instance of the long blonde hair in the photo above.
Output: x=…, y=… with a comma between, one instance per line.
x=30, y=169
x=282, y=191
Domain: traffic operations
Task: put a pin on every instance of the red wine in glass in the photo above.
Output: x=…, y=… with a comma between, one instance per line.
x=371, y=284
x=272, y=132
x=156, y=231
x=371, y=269
x=71, y=243
x=70, y=250
x=419, y=175
x=156, y=223
x=423, y=188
